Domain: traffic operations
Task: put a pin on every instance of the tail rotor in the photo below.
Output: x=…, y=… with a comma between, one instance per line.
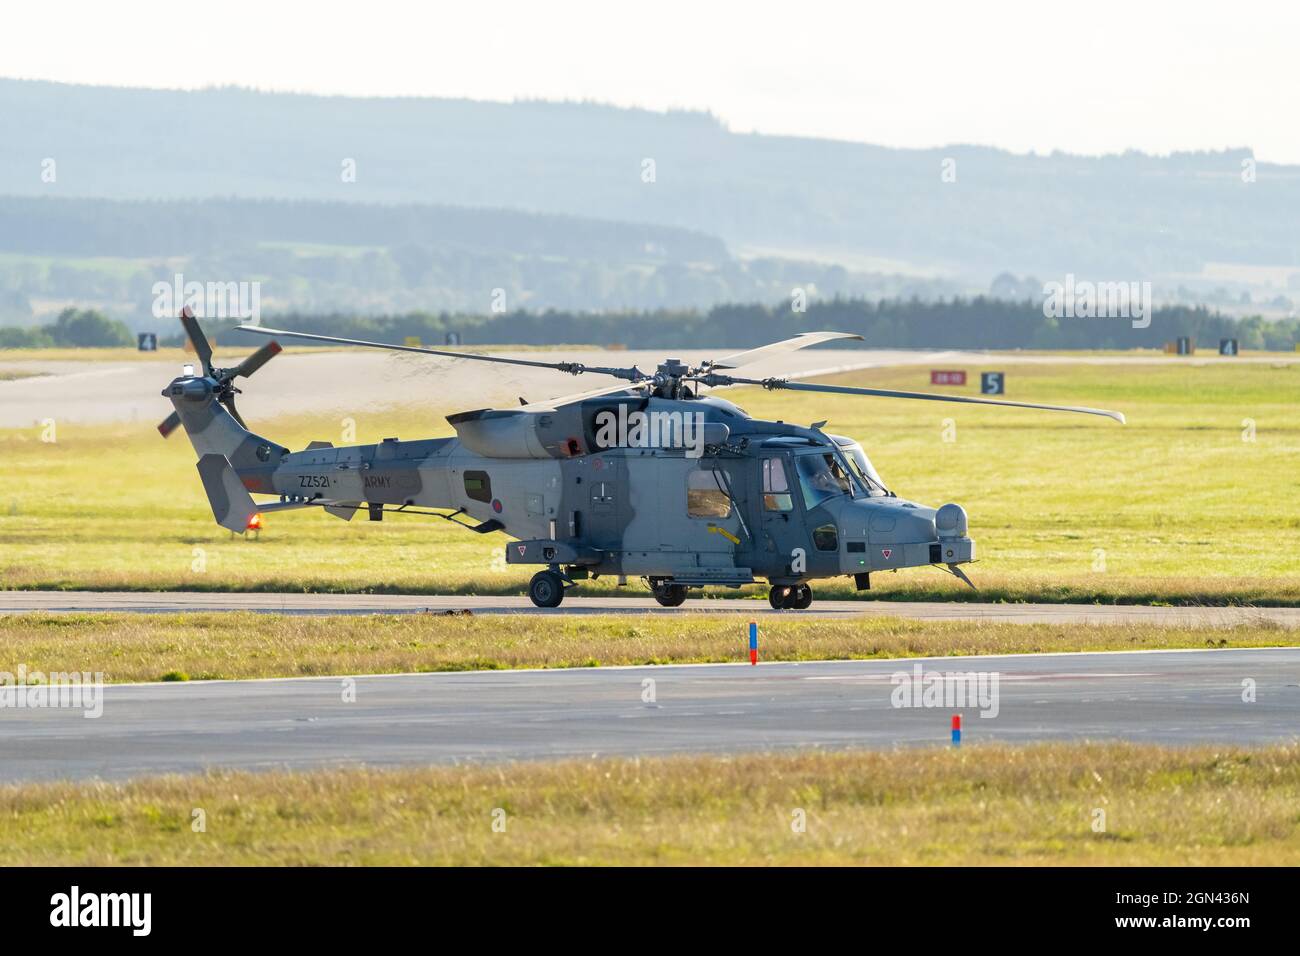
x=225, y=389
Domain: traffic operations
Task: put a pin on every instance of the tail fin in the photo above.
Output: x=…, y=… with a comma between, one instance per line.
x=232, y=506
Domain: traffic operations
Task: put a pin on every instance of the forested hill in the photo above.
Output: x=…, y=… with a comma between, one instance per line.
x=1126, y=217
x=48, y=225
x=373, y=258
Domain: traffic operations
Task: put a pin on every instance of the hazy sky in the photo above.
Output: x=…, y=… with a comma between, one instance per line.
x=1081, y=76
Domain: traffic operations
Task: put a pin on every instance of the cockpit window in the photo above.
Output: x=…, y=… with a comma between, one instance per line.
x=820, y=478
x=776, y=490
x=861, y=466
x=706, y=494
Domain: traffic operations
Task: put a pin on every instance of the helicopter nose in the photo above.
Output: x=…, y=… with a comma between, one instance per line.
x=895, y=524
x=950, y=521
x=954, y=546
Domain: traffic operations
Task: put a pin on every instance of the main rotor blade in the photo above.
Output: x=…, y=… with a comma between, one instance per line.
x=551, y=404
x=573, y=368
x=800, y=341
x=200, y=341
x=168, y=424
x=780, y=383
x=259, y=358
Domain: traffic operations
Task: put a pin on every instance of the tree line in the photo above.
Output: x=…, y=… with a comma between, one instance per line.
x=976, y=323
x=74, y=328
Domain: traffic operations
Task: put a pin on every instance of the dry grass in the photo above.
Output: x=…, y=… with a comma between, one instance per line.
x=1175, y=507
x=126, y=354
x=135, y=647
x=977, y=805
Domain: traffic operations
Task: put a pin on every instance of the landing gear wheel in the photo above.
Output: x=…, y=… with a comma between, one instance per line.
x=792, y=597
x=670, y=595
x=546, y=589
x=779, y=597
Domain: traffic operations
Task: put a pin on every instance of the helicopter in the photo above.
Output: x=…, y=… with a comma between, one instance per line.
x=649, y=476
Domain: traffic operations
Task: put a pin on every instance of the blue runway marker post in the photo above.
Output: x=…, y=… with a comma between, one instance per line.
x=956, y=730
x=753, y=642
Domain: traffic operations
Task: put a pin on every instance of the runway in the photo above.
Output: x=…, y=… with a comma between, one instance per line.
x=1173, y=697
x=171, y=602
x=90, y=392
x=115, y=390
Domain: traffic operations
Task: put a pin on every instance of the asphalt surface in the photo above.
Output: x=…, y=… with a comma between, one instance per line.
x=1173, y=697
x=88, y=392
x=335, y=604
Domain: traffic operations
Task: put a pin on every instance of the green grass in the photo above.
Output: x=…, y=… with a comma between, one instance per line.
x=1036, y=805
x=1174, y=507
x=168, y=647
x=119, y=267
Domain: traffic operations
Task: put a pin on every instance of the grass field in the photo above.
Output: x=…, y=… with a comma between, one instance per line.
x=135, y=647
x=1057, y=804
x=1191, y=502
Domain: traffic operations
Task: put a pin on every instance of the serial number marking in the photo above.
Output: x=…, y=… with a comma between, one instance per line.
x=313, y=481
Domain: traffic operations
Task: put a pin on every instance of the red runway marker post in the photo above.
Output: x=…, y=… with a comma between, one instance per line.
x=753, y=642
x=956, y=730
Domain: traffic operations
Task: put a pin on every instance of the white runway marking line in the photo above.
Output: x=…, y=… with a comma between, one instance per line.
x=756, y=670
x=957, y=675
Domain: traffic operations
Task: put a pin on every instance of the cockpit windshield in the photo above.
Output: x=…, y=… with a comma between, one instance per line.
x=861, y=466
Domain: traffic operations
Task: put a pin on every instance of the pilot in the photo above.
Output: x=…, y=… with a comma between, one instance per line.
x=830, y=479
x=838, y=474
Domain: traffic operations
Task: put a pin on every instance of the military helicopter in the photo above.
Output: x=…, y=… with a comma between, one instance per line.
x=648, y=477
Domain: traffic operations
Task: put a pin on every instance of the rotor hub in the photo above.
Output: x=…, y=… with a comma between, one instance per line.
x=669, y=379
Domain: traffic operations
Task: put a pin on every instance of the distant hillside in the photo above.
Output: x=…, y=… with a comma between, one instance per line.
x=50, y=225
x=370, y=258
x=1124, y=217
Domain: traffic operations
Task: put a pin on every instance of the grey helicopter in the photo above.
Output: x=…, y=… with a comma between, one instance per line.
x=648, y=477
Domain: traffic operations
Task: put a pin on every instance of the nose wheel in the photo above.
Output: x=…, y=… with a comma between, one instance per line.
x=792, y=597
x=546, y=589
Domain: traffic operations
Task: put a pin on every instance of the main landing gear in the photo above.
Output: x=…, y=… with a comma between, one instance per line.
x=669, y=595
x=791, y=597
x=546, y=589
